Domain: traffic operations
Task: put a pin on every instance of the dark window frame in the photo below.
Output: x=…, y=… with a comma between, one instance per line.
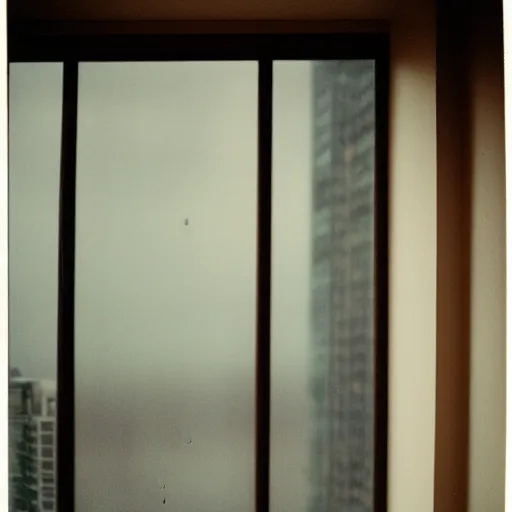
x=97, y=42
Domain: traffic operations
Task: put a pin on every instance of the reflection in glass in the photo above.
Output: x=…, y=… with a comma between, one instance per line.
x=35, y=109
x=323, y=252
x=165, y=286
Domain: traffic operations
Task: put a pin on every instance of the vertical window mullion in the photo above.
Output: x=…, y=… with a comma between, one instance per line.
x=263, y=285
x=66, y=295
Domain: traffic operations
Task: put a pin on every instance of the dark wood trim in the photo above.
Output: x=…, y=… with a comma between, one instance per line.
x=263, y=314
x=177, y=47
x=66, y=298
x=381, y=260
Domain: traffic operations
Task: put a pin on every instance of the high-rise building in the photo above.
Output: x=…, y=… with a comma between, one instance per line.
x=342, y=380
x=32, y=447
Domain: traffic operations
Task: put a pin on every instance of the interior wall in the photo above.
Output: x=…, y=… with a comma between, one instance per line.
x=413, y=199
x=488, y=258
x=470, y=427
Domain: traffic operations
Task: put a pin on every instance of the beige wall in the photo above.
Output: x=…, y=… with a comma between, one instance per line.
x=412, y=260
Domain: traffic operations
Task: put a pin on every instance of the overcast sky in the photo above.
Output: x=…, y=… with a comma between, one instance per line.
x=166, y=276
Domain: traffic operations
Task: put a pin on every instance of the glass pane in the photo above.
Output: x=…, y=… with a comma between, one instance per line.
x=47, y=439
x=322, y=290
x=35, y=111
x=47, y=453
x=46, y=465
x=165, y=286
x=48, y=492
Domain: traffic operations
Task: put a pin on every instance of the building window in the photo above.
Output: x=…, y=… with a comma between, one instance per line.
x=21, y=505
x=47, y=465
x=47, y=426
x=47, y=453
x=51, y=407
x=48, y=492
x=47, y=439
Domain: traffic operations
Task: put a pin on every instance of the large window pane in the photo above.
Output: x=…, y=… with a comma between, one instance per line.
x=35, y=109
x=165, y=286
x=323, y=287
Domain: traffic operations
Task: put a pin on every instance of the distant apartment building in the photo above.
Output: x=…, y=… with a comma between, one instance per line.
x=32, y=445
x=342, y=378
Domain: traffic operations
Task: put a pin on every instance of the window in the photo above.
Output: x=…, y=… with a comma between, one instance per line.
x=47, y=453
x=47, y=465
x=20, y=505
x=47, y=439
x=222, y=213
x=51, y=407
x=48, y=492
